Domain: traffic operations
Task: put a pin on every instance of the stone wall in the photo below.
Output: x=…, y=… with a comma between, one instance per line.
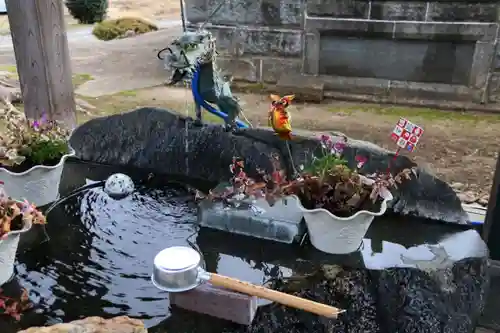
x=430, y=50
x=495, y=78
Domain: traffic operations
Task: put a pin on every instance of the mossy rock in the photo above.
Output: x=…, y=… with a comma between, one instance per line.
x=122, y=27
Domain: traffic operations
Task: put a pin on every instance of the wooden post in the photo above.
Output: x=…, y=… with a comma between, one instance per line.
x=491, y=227
x=42, y=56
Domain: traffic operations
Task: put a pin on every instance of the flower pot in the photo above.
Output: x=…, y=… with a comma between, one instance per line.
x=39, y=185
x=8, y=249
x=339, y=235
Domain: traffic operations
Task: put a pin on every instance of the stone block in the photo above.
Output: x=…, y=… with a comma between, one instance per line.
x=397, y=10
x=196, y=11
x=305, y=88
x=338, y=8
x=349, y=27
x=404, y=60
x=242, y=69
x=271, y=13
x=442, y=30
x=356, y=85
x=496, y=63
x=217, y=302
x=311, y=54
x=484, y=54
x=430, y=91
x=494, y=88
x=94, y=325
x=274, y=68
x=258, y=41
x=460, y=11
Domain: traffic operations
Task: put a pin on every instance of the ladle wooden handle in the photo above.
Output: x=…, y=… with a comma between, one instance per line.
x=275, y=296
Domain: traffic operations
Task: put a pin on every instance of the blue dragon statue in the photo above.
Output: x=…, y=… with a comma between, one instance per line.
x=191, y=58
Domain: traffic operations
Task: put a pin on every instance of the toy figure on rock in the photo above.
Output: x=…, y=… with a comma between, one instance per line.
x=279, y=117
x=192, y=59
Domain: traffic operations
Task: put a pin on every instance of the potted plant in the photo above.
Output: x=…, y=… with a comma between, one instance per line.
x=338, y=203
x=16, y=217
x=32, y=155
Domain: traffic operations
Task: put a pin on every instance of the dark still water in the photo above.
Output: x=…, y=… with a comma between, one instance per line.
x=98, y=260
x=99, y=256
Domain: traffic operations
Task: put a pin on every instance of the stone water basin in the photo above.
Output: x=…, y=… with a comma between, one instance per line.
x=410, y=275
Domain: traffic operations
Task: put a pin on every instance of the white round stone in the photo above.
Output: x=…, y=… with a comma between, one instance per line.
x=119, y=185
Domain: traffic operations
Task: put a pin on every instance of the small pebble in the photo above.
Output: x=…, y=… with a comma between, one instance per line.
x=118, y=186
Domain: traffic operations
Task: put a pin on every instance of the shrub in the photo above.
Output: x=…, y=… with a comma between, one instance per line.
x=88, y=11
x=122, y=27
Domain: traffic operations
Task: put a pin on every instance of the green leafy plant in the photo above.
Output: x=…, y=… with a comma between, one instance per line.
x=87, y=11
x=30, y=143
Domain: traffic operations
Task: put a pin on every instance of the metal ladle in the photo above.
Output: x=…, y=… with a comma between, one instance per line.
x=177, y=269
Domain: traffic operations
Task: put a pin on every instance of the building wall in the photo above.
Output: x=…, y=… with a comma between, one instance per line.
x=438, y=49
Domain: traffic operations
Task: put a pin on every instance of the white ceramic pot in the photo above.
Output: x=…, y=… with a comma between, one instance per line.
x=39, y=185
x=8, y=249
x=339, y=235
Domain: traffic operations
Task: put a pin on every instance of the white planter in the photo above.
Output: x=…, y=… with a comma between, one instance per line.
x=39, y=185
x=339, y=235
x=8, y=249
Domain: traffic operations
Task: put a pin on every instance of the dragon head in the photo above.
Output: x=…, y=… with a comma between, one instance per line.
x=184, y=54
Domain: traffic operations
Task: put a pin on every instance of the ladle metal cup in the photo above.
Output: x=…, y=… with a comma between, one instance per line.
x=177, y=269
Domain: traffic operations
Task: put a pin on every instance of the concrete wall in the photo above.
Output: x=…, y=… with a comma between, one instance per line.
x=431, y=50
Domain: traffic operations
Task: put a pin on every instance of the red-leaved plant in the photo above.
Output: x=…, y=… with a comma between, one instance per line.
x=14, y=306
x=326, y=183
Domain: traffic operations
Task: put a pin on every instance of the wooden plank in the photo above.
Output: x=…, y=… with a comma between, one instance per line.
x=42, y=57
x=217, y=302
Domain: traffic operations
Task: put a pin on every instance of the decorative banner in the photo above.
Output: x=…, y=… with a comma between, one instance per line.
x=406, y=135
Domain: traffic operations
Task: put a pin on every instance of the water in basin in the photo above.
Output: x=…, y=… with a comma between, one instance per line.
x=98, y=260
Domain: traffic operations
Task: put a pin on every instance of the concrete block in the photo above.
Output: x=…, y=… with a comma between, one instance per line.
x=271, y=13
x=461, y=11
x=495, y=87
x=305, y=88
x=274, y=68
x=311, y=54
x=393, y=10
x=281, y=222
x=217, y=302
x=258, y=41
x=349, y=26
x=242, y=69
x=439, y=30
x=196, y=11
x=483, y=57
x=338, y=8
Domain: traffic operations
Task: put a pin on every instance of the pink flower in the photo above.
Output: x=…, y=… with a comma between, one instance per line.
x=361, y=160
x=339, y=147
